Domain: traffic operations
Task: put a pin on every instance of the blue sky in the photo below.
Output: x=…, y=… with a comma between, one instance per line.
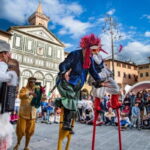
x=72, y=19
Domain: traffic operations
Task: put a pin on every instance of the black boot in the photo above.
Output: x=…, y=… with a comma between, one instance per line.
x=67, y=120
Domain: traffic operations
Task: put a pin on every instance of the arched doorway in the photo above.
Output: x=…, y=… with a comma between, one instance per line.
x=39, y=76
x=49, y=82
x=24, y=77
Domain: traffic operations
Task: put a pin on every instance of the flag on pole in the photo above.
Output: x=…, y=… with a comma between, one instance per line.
x=120, y=48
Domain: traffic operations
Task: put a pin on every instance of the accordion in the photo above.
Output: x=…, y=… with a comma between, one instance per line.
x=7, y=97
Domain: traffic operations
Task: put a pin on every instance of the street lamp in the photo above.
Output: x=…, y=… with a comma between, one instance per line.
x=111, y=28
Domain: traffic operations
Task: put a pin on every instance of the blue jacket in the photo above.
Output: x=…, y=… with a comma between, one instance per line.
x=78, y=74
x=135, y=111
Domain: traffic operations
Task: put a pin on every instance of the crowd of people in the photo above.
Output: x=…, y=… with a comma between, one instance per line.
x=135, y=111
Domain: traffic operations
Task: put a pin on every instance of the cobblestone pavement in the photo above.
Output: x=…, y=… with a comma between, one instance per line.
x=45, y=138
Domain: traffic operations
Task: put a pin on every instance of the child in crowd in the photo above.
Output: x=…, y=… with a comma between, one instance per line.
x=50, y=109
x=124, y=122
x=13, y=117
x=136, y=115
x=51, y=118
x=89, y=115
x=110, y=116
x=44, y=109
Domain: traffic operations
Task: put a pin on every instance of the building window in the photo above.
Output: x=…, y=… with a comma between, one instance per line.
x=29, y=47
x=135, y=67
x=40, y=49
x=118, y=64
x=129, y=76
x=58, y=54
x=118, y=73
x=135, y=78
x=124, y=75
x=18, y=41
x=147, y=66
x=129, y=67
x=146, y=74
x=141, y=75
x=124, y=65
x=49, y=51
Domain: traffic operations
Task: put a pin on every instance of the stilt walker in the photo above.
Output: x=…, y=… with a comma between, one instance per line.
x=70, y=80
x=109, y=86
x=8, y=84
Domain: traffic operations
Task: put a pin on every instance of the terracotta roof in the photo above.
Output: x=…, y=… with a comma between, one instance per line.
x=143, y=64
x=128, y=63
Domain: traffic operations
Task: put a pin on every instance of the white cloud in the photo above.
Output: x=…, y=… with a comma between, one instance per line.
x=75, y=8
x=100, y=20
x=133, y=28
x=137, y=51
x=77, y=27
x=62, y=31
x=52, y=27
x=147, y=34
x=111, y=12
x=146, y=16
x=18, y=11
x=68, y=45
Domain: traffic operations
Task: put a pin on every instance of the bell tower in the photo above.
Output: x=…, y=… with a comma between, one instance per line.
x=38, y=17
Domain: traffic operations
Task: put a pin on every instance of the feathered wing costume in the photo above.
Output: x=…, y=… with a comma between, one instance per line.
x=7, y=104
x=6, y=131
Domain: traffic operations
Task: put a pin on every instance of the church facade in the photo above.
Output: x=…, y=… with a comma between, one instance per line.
x=38, y=50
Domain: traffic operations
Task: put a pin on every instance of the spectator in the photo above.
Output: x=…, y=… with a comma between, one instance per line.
x=139, y=99
x=132, y=98
x=124, y=122
x=89, y=115
x=147, y=104
x=49, y=110
x=110, y=116
x=126, y=110
x=127, y=100
x=13, y=117
x=44, y=109
x=136, y=115
x=17, y=104
x=102, y=110
x=51, y=118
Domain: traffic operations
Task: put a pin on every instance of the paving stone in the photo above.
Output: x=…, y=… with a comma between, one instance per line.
x=45, y=138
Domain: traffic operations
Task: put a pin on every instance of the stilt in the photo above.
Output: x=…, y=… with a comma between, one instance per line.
x=64, y=134
x=119, y=129
x=96, y=114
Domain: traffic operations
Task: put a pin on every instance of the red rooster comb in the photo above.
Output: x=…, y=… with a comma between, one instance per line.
x=89, y=40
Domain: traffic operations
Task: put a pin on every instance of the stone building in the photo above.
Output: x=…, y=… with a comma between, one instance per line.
x=125, y=72
x=37, y=49
x=144, y=72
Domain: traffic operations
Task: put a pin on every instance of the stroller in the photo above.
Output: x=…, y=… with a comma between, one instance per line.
x=146, y=122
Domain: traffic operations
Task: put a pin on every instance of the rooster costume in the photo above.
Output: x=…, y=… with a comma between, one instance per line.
x=78, y=63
